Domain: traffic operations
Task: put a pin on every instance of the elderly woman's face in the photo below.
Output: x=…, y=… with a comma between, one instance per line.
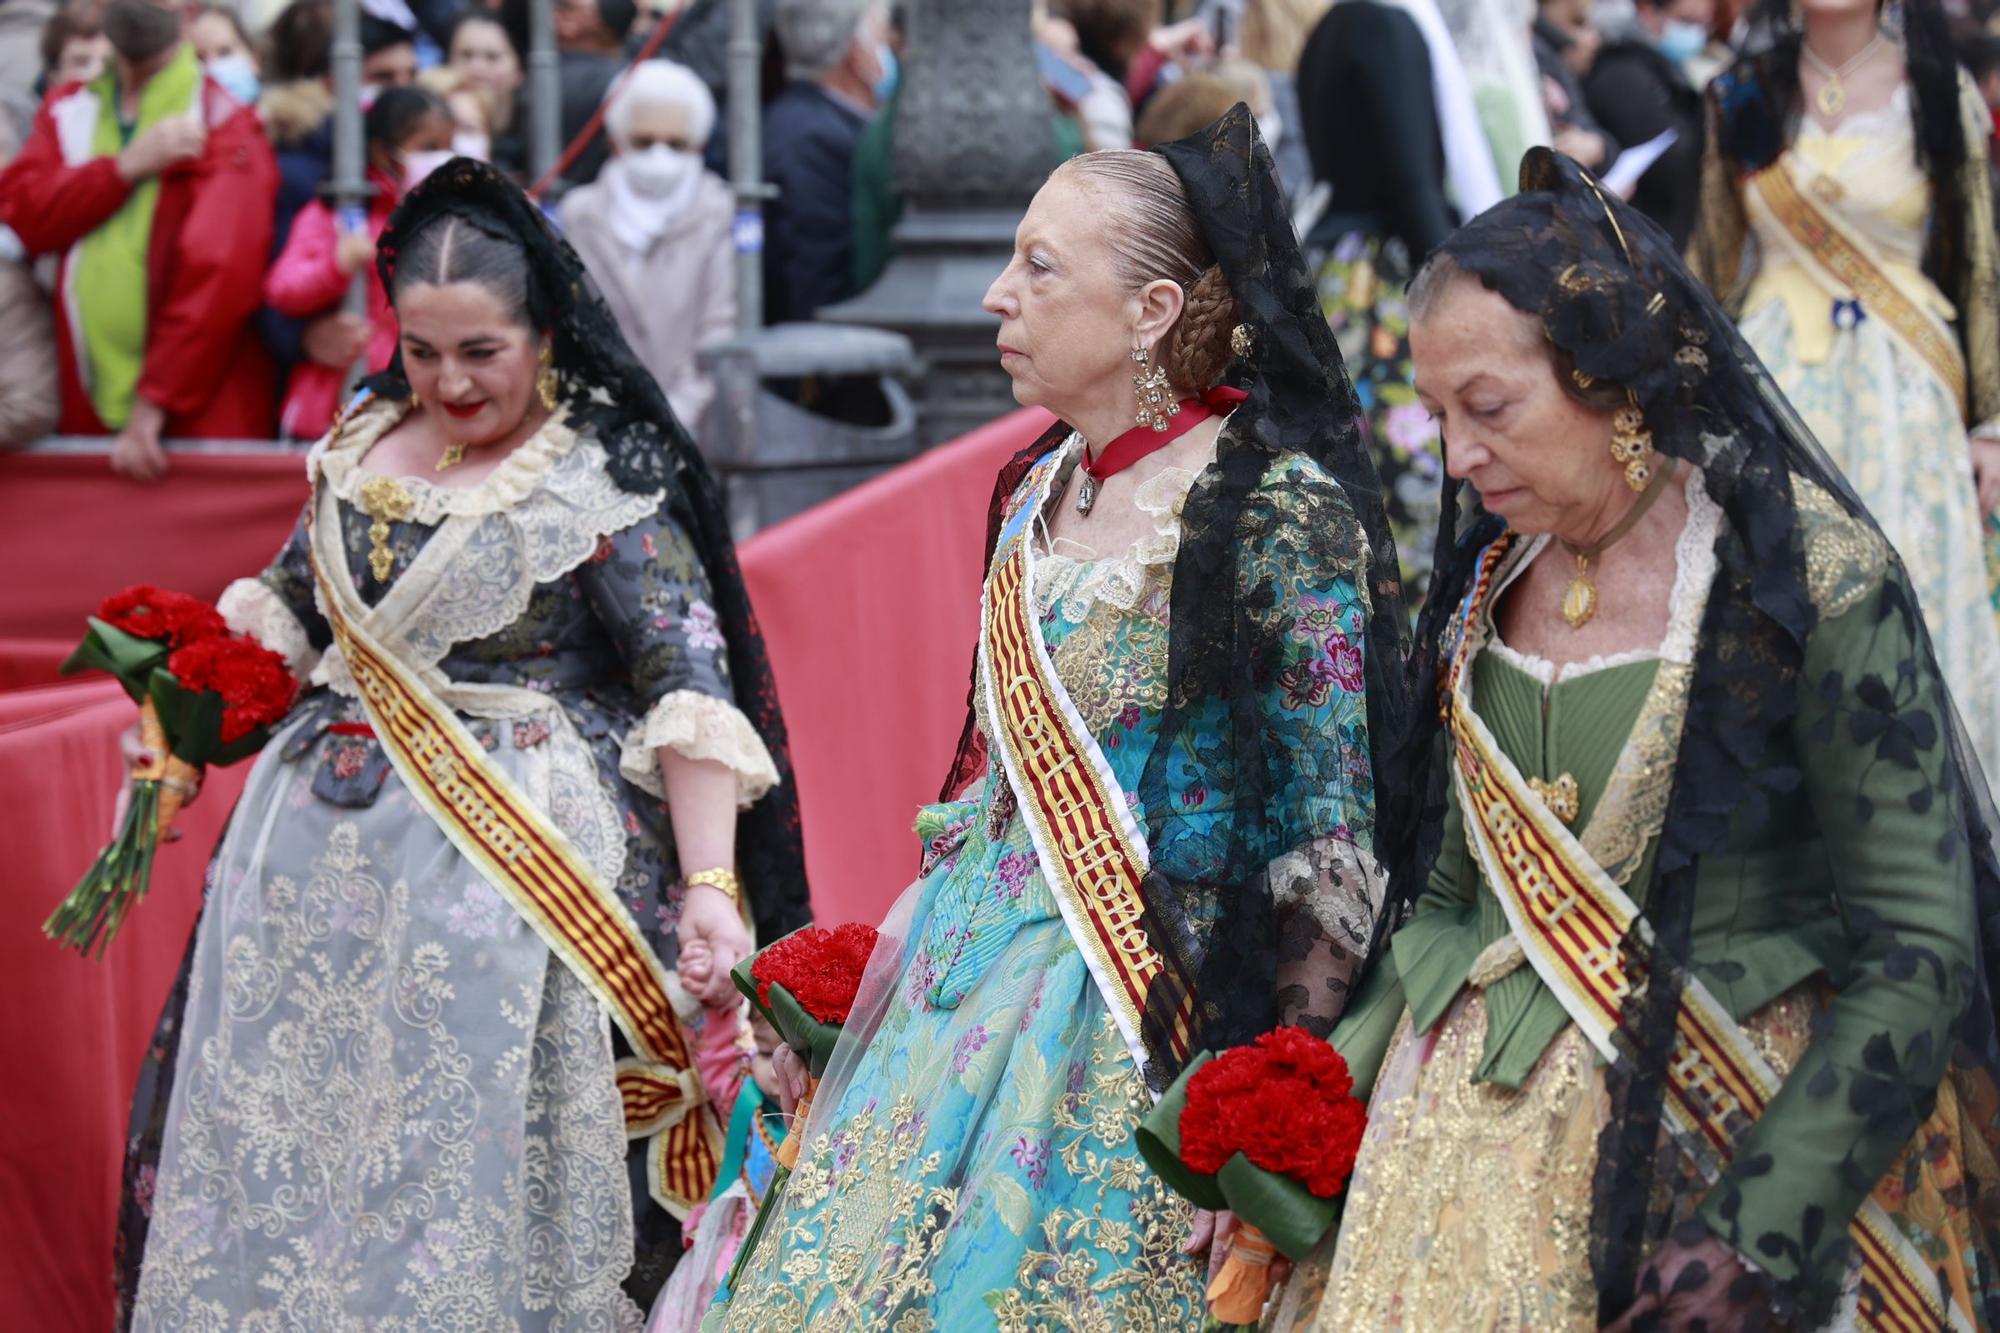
x=468, y=360
x=660, y=123
x=1066, y=321
x=1538, y=458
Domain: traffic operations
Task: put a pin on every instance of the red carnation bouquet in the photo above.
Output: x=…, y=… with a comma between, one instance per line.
x=205, y=696
x=1269, y=1130
x=805, y=985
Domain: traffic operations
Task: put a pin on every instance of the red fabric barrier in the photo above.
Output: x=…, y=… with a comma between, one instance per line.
x=74, y=1030
x=72, y=531
x=870, y=604
x=870, y=608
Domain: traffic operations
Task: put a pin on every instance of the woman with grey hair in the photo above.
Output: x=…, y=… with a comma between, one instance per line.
x=653, y=229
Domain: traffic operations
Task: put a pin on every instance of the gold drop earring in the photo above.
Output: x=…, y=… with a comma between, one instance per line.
x=546, y=382
x=1157, y=405
x=1632, y=445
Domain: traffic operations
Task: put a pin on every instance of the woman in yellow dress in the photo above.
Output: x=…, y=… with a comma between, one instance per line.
x=1847, y=222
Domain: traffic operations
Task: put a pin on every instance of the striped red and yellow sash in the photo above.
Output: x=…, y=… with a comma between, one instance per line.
x=1851, y=265
x=1091, y=849
x=546, y=879
x=1572, y=919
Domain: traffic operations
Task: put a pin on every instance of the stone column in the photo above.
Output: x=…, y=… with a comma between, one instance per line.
x=973, y=139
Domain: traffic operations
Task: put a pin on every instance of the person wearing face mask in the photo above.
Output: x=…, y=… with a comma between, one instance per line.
x=472, y=108
x=227, y=54
x=654, y=229
x=1640, y=87
x=842, y=70
x=409, y=135
x=156, y=188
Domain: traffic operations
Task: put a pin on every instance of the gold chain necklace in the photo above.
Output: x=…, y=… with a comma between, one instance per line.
x=1579, y=602
x=1832, y=96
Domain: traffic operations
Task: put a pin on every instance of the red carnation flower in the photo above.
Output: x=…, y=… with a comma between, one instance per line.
x=255, y=685
x=821, y=968
x=157, y=613
x=1285, y=1102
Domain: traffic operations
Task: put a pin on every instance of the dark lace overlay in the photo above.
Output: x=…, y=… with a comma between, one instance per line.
x=1221, y=922
x=1765, y=704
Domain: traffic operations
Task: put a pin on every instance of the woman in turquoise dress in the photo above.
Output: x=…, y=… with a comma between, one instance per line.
x=1164, y=827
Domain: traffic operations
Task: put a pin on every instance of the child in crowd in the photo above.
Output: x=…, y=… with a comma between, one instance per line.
x=74, y=49
x=473, y=117
x=409, y=134
x=226, y=51
x=738, y=1070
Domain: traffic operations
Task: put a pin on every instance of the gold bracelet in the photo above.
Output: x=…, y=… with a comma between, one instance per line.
x=719, y=878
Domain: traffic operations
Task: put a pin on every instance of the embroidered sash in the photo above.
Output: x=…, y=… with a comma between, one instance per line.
x=1851, y=264
x=543, y=876
x=1570, y=919
x=1091, y=848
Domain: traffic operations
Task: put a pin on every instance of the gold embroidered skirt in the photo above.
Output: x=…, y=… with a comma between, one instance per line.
x=1470, y=1203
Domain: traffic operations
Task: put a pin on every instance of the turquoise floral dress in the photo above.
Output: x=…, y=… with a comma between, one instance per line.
x=969, y=1162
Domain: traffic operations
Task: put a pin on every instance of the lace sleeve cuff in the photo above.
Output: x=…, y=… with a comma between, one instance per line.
x=699, y=726
x=251, y=607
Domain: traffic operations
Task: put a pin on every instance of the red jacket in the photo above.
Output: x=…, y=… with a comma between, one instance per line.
x=211, y=236
x=305, y=282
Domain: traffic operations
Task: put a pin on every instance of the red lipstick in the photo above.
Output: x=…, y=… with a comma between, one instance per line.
x=465, y=410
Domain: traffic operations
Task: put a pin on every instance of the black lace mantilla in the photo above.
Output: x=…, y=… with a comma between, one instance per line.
x=1614, y=296
x=612, y=397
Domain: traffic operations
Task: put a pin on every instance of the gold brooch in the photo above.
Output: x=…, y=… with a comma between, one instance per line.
x=1562, y=797
x=386, y=500
x=1241, y=341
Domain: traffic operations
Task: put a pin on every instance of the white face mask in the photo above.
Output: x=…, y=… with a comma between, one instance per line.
x=658, y=171
x=478, y=147
x=416, y=166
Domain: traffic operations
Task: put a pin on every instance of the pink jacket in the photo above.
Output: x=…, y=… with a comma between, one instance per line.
x=305, y=283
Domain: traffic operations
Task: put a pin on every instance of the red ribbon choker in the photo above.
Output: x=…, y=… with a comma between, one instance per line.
x=1140, y=441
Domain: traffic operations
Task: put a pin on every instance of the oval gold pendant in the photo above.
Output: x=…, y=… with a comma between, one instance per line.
x=1832, y=99
x=1579, y=602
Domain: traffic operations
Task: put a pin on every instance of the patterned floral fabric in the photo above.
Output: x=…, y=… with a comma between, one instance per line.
x=378, y=1101
x=1871, y=400
x=1361, y=290
x=969, y=1162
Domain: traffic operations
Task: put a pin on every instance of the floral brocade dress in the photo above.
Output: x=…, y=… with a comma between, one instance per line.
x=377, y=1100
x=970, y=1161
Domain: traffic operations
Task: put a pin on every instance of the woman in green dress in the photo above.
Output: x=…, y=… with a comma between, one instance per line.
x=1691, y=1023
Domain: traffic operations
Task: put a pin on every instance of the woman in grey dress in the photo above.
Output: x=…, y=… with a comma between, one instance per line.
x=404, y=1083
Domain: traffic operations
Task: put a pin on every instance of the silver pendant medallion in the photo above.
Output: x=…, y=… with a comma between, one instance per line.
x=1086, y=494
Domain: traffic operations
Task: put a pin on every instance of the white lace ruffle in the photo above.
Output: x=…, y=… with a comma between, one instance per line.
x=699, y=726
x=1694, y=571
x=535, y=518
x=1081, y=582
x=499, y=490
x=250, y=607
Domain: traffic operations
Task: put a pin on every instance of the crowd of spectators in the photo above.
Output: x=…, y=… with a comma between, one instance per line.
x=171, y=265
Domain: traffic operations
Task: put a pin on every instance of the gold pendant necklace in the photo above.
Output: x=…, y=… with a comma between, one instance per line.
x=1832, y=96
x=386, y=500
x=1579, y=601
x=453, y=455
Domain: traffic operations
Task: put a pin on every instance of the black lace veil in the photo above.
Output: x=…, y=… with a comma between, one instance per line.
x=1616, y=301
x=610, y=395
x=1223, y=927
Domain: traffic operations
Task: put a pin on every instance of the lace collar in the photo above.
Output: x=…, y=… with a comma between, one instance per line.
x=338, y=460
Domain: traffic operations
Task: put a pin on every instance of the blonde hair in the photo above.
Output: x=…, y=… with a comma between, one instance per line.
x=1274, y=32
x=448, y=83
x=1153, y=236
